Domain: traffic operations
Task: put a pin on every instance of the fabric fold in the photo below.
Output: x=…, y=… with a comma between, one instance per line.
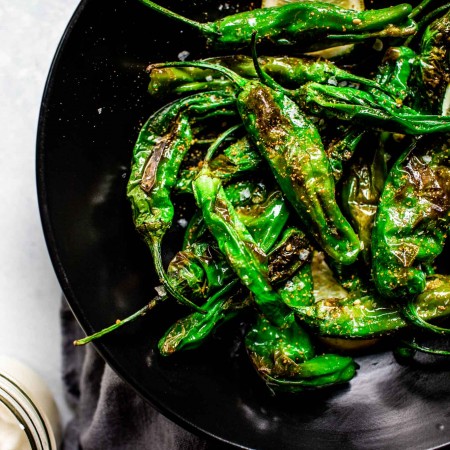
x=108, y=414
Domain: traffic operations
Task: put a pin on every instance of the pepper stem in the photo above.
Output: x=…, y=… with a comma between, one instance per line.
x=218, y=142
x=203, y=27
x=263, y=76
x=121, y=322
x=423, y=349
x=419, y=8
x=233, y=76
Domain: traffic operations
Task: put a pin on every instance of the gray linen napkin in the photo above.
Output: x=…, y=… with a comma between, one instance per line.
x=109, y=415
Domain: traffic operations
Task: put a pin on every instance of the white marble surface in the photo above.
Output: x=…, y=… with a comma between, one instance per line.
x=30, y=295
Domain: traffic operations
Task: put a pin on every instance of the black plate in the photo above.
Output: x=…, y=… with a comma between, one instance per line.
x=93, y=105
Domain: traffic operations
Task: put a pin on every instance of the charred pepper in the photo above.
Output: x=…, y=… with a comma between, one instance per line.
x=307, y=25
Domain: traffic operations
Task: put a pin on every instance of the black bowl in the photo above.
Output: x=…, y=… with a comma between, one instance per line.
x=93, y=106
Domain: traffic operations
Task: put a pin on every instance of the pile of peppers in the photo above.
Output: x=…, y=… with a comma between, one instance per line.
x=321, y=190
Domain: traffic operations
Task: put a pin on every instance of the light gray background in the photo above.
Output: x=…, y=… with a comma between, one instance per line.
x=29, y=292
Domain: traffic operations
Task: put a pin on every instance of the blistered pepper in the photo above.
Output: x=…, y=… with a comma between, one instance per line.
x=286, y=359
x=307, y=25
x=159, y=150
x=412, y=219
x=289, y=71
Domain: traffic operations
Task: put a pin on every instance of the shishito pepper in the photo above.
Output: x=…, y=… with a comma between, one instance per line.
x=287, y=70
x=362, y=188
x=234, y=240
x=307, y=25
x=286, y=360
x=191, y=331
x=293, y=149
x=413, y=218
x=200, y=269
x=341, y=148
x=428, y=170
x=289, y=255
x=356, y=312
x=159, y=150
x=379, y=111
x=242, y=193
x=369, y=315
x=243, y=253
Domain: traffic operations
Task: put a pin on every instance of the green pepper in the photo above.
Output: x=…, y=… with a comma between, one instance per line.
x=293, y=148
x=377, y=111
x=199, y=271
x=361, y=192
x=243, y=253
x=297, y=291
x=279, y=347
x=256, y=217
x=285, y=359
x=159, y=150
x=412, y=218
x=321, y=371
x=190, y=331
x=357, y=311
x=393, y=75
x=288, y=257
x=236, y=243
x=363, y=314
x=248, y=194
x=263, y=213
x=286, y=70
x=195, y=230
x=307, y=25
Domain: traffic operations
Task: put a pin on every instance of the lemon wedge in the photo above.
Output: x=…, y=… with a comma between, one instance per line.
x=328, y=53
